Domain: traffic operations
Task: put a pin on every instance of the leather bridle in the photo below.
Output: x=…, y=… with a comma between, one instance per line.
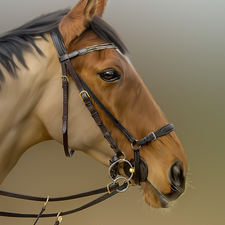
x=136, y=168
x=136, y=165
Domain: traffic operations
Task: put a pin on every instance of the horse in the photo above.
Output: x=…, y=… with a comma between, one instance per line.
x=31, y=101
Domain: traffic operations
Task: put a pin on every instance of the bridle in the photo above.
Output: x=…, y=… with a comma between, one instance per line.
x=136, y=168
x=130, y=167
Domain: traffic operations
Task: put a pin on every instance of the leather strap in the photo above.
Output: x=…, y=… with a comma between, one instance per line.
x=81, y=84
x=58, y=199
x=137, y=165
x=84, y=51
x=94, y=202
x=106, y=111
x=112, y=189
x=91, y=108
x=159, y=133
x=61, y=51
x=65, y=87
x=65, y=62
x=86, y=93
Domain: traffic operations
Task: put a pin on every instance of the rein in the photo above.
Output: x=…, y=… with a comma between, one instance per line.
x=136, y=168
x=111, y=190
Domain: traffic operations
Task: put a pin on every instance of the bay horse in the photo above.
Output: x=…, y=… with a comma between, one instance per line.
x=31, y=101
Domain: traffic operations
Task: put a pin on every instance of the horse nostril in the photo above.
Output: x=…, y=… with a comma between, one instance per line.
x=176, y=176
x=177, y=181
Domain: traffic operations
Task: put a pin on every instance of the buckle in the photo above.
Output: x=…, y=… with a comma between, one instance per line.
x=85, y=93
x=66, y=78
x=108, y=187
x=154, y=136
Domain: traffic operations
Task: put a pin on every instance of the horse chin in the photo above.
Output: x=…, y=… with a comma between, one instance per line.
x=153, y=197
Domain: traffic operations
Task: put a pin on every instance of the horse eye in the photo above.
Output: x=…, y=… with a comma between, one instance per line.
x=110, y=75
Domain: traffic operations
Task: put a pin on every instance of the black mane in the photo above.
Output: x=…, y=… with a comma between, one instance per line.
x=20, y=40
x=17, y=41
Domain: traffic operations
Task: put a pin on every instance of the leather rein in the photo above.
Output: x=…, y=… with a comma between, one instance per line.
x=135, y=169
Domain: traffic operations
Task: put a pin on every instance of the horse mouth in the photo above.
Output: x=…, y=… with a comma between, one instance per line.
x=153, y=197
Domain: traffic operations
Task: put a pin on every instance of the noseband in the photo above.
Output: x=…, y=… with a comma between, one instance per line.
x=136, y=166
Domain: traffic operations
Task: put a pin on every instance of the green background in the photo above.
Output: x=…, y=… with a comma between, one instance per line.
x=178, y=47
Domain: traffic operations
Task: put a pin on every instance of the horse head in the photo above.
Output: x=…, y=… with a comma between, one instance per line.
x=113, y=79
x=115, y=82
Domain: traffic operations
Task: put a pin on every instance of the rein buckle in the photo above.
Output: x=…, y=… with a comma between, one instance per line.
x=108, y=186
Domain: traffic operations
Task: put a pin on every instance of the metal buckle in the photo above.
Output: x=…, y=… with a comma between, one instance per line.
x=108, y=188
x=66, y=78
x=153, y=134
x=86, y=94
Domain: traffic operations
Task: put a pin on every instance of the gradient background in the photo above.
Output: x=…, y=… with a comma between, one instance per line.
x=178, y=47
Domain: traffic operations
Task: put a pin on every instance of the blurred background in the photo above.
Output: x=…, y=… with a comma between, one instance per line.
x=178, y=47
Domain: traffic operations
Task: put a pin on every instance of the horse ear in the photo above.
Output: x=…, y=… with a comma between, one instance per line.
x=78, y=19
x=101, y=7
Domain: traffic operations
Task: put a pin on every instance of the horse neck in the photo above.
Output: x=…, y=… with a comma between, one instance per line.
x=31, y=111
x=19, y=126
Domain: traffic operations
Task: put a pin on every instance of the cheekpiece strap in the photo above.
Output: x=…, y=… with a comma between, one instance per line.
x=64, y=59
x=60, y=48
